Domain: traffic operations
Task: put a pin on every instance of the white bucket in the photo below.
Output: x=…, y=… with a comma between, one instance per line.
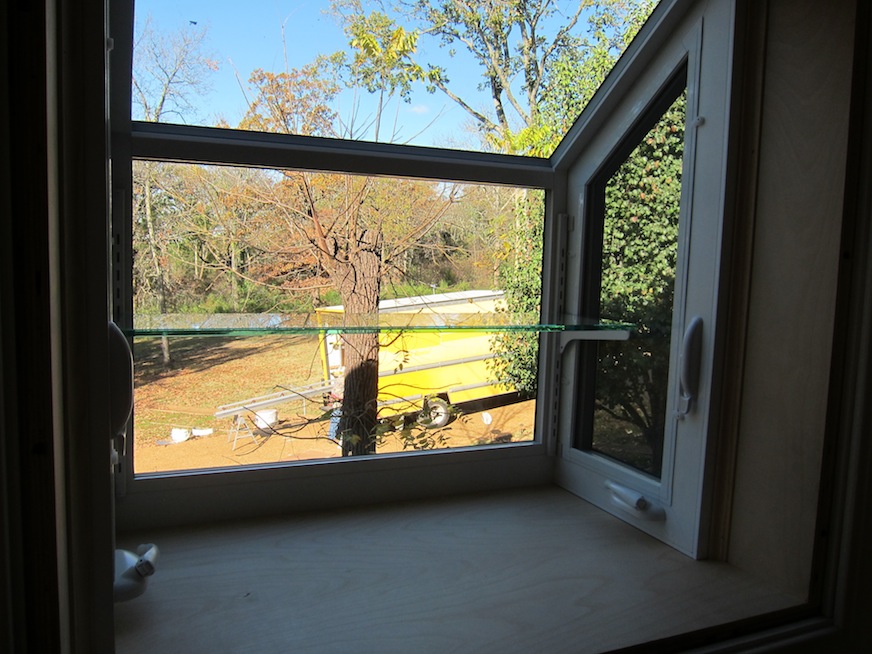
x=180, y=435
x=265, y=418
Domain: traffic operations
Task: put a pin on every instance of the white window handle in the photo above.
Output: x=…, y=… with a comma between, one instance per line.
x=634, y=502
x=688, y=366
x=121, y=380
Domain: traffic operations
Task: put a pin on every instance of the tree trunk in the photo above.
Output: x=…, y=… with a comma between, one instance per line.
x=359, y=282
x=234, y=275
x=158, y=270
x=359, y=403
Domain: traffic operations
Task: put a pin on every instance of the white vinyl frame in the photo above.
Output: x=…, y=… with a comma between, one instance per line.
x=199, y=495
x=186, y=497
x=671, y=507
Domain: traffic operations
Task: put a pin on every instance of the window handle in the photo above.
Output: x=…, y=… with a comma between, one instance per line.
x=634, y=502
x=688, y=366
x=121, y=380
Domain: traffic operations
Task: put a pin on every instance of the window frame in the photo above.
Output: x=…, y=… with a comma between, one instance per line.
x=321, y=483
x=698, y=46
x=282, y=487
x=844, y=553
x=264, y=489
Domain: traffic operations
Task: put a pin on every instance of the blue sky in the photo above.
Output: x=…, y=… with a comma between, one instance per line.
x=243, y=36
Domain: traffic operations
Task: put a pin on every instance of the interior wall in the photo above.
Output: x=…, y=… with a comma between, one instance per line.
x=795, y=235
x=10, y=554
x=81, y=376
x=32, y=566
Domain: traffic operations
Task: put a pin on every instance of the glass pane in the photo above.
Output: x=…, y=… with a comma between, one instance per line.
x=282, y=316
x=639, y=253
x=497, y=76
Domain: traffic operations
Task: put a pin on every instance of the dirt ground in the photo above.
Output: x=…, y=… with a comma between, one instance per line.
x=208, y=372
x=289, y=440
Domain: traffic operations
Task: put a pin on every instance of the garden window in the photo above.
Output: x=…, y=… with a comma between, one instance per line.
x=211, y=227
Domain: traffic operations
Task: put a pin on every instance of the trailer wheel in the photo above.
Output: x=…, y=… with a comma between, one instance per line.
x=435, y=415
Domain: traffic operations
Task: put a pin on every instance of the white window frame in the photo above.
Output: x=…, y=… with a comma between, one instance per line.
x=264, y=489
x=289, y=486
x=841, y=617
x=695, y=48
x=200, y=495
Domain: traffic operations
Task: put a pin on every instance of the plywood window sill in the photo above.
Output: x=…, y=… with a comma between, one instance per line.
x=516, y=571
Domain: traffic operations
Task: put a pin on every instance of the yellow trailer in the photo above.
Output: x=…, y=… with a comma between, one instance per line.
x=433, y=353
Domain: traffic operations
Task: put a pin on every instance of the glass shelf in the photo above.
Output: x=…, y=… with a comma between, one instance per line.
x=232, y=325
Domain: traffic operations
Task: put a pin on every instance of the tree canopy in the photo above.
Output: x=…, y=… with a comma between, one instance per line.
x=539, y=61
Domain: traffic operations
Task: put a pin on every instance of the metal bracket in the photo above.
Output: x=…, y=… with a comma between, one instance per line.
x=569, y=337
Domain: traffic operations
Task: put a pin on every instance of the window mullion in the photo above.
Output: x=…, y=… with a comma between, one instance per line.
x=183, y=143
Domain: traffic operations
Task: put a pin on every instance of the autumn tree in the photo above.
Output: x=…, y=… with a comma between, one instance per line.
x=460, y=252
x=513, y=43
x=381, y=63
x=169, y=71
x=355, y=226
x=228, y=243
x=540, y=62
x=577, y=72
x=516, y=45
